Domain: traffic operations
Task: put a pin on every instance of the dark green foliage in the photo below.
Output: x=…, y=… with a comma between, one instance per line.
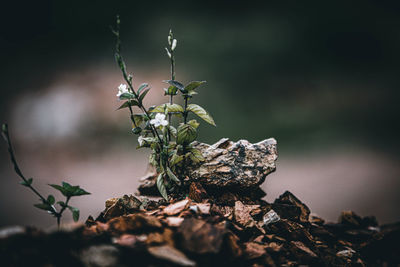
x=171, y=148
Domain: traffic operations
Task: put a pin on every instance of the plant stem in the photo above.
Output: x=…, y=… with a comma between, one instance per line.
x=185, y=113
x=59, y=214
x=121, y=64
x=171, y=96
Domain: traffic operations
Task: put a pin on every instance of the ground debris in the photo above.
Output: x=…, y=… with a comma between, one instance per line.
x=187, y=232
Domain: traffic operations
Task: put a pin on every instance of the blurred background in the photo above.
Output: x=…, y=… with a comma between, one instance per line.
x=320, y=77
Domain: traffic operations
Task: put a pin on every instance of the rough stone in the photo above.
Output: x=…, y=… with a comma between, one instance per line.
x=238, y=164
x=228, y=165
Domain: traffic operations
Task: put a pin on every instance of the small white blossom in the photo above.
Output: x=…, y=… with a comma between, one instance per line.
x=159, y=120
x=173, y=46
x=122, y=89
x=140, y=141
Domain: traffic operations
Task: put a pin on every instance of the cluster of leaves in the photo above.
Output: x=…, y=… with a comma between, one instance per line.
x=171, y=147
x=47, y=204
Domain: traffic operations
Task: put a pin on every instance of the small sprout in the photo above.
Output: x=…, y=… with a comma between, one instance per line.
x=46, y=204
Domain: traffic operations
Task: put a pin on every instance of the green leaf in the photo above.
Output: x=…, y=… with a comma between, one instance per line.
x=79, y=192
x=43, y=206
x=138, y=118
x=193, y=85
x=175, y=159
x=201, y=112
x=195, y=155
x=168, y=107
x=194, y=123
x=172, y=130
x=141, y=87
x=146, y=141
x=60, y=188
x=70, y=191
x=51, y=199
x=127, y=96
x=27, y=182
x=186, y=134
x=172, y=176
x=177, y=84
x=128, y=103
x=161, y=186
x=171, y=90
x=141, y=97
x=4, y=128
x=75, y=213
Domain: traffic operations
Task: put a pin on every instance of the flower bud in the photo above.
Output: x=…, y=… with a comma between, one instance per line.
x=169, y=39
x=173, y=44
x=168, y=53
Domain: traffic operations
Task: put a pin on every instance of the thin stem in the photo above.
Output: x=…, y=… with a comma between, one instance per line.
x=122, y=66
x=172, y=58
x=59, y=214
x=18, y=171
x=185, y=113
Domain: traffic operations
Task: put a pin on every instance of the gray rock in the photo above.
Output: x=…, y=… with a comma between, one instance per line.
x=238, y=164
x=228, y=164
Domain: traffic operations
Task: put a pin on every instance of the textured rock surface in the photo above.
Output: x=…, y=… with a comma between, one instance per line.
x=227, y=165
x=235, y=164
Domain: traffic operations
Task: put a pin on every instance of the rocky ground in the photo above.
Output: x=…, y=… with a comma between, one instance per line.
x=220, y=220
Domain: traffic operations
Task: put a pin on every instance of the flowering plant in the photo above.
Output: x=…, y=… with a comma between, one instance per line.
x=171, y=147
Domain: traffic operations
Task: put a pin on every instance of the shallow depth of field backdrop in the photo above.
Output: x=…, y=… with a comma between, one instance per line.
x=322, y=78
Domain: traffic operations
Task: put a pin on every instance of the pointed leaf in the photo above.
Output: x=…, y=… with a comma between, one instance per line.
x=51, y=199
x=196, y=155
x=43, y=206
x=28, y=182
x=201, y=112
x=141, y=97
x=128, y=103
x=161, y=186
x=141, y=87
x=193, y=85
x=79, y=192
x=176, y=84
x=175, y=159
x=172, y=176
x=172, y=130
x=60, y=188
x=186, y=134
x=127, y=96
x=171, y=90
x=194, y=123
x=75, y=213
x=168, y=107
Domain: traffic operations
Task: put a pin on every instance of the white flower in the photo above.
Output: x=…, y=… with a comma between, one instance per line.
x=159, y=120
x=140, y=141
x=122, y=89
x=173, y=44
